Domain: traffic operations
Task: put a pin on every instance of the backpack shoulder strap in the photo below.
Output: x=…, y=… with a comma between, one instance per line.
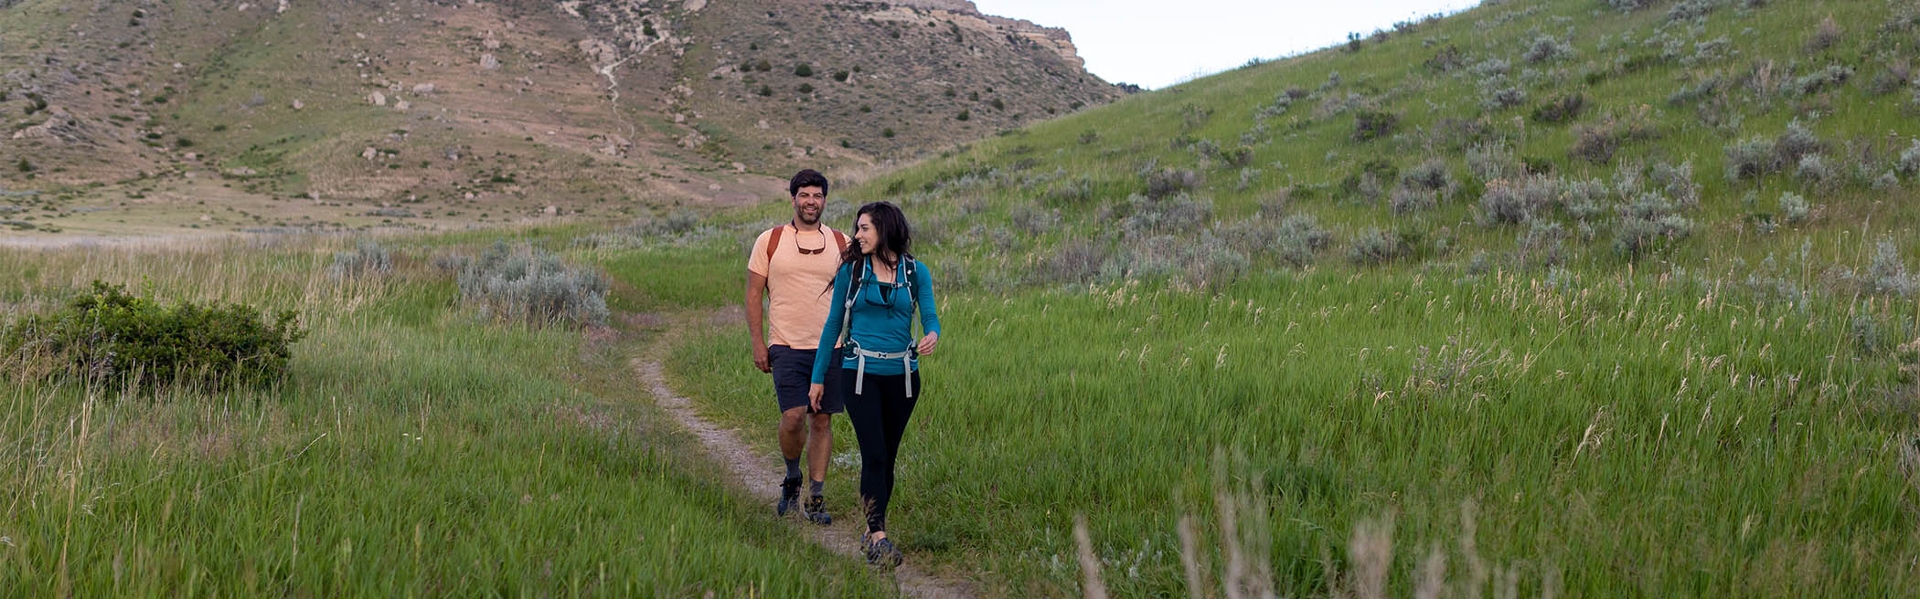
x=841, y=239
x=773, y=243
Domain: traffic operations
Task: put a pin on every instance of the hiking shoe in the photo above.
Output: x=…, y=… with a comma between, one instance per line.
x=816, y=510
x=882, y=554
x=789, y=496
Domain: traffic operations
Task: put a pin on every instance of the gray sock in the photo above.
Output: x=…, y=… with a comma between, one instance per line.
x=793, y=468
x=816, y=487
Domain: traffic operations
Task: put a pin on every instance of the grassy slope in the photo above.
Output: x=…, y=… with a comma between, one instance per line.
x=412, y=450
x=1723, y=414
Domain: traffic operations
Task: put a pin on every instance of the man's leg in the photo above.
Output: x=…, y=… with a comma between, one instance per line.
x=820, y=447
x=793, y=437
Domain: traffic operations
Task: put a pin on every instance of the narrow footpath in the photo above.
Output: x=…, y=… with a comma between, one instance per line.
x=725, y=446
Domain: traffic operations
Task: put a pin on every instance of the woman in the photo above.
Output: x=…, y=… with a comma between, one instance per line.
x=877, y=290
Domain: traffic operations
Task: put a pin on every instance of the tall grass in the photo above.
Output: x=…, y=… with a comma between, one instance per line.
x=413, y=449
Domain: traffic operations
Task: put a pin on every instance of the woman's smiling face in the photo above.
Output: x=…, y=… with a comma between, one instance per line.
x=865, y=235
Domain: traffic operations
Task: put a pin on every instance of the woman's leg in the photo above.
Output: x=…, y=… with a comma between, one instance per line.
x=865, y=411
x=895, y=411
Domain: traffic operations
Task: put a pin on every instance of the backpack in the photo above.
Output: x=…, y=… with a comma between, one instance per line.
x=773, y=242
x=904, y=274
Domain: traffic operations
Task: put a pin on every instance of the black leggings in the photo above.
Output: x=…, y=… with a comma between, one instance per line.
x=879, y=419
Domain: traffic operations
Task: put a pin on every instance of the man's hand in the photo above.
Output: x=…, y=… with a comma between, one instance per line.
x=760, y=358
x=813, y=395
x=928, y=342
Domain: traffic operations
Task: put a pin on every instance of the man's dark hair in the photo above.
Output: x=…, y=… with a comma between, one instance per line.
x=807, y=178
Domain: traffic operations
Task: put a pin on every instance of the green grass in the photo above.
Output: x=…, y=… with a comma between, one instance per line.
x=1731, y=412
x=413, y=449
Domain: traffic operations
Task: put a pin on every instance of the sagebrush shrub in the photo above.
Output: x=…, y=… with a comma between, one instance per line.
x=1143, y=216
x=1812, y=83
x=366, y=258
x=1815, y=169
x=1586, y=200
x=1545, y=48
x=1795, y=143
x=1300, y=238
x=1595, y=143
x=1887, y=273
x=532, y=285
x=1825, y=35
x=1166, y=182
x=1626, y=5
x=1677, y=183
x=1691, y=9
x=1408, y=200
x=107, y=336
x=1560, y=109
x=1431, y=174
x=1646, y=223
x=1493, y=161
x=1909, y=164
x=1502, y=203
x=1373, y=124
x=1378, y=246
x=1793, y=208
x=1751, y=159
x=1502, y=97
x=1542, y=243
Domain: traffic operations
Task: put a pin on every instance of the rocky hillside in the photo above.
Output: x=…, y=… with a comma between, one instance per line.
x=328, y=114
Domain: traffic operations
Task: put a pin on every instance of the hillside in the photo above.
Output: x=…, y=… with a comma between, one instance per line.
x=1521, y=135
x=126, y=117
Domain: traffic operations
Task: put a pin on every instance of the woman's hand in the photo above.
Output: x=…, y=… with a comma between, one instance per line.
x=813, y=395
x=928, y=342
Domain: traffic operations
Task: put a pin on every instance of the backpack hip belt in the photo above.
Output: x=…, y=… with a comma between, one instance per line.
x=860, y=370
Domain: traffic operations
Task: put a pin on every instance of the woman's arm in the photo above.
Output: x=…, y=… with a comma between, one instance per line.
x=929, y=313
x=830, y=333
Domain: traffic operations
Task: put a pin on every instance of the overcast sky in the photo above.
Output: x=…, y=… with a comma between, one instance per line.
x=1156, y=43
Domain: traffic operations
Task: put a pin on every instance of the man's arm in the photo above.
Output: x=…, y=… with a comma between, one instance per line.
x=757, y=319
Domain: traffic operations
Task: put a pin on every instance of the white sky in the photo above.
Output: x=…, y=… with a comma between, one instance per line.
x=1156, y=43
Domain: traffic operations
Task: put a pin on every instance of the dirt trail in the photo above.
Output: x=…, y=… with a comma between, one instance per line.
x=752, y=470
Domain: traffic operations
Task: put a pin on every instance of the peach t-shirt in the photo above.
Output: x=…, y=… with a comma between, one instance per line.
x=800, y=286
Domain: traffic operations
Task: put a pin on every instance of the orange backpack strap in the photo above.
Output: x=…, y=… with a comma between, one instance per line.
x=840, y=238
x=773, y=243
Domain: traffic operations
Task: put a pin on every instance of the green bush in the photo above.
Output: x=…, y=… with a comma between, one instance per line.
x=109, y=336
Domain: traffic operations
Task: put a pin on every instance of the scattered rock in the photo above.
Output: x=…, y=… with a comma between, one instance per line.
x=243, y=7
x=491, y=43
x=369, y=153
x=763, y=124
x=377, y=99
x=242, y=172
x=402, y=105
x=423, y=89
x=551, y=210
x=488, y=62
x=739, y=168
x=299, y=105
x=193, y=156
x=713, y=187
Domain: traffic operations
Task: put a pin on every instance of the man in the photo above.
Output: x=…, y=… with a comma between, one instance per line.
x=792, y=268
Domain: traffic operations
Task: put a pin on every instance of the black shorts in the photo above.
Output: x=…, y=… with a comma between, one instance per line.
x=793, y=375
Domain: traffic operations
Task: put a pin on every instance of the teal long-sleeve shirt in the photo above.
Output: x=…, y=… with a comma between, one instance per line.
x=882, y=319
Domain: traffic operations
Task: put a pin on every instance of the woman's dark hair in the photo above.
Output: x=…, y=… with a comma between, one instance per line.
x=889, y=224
